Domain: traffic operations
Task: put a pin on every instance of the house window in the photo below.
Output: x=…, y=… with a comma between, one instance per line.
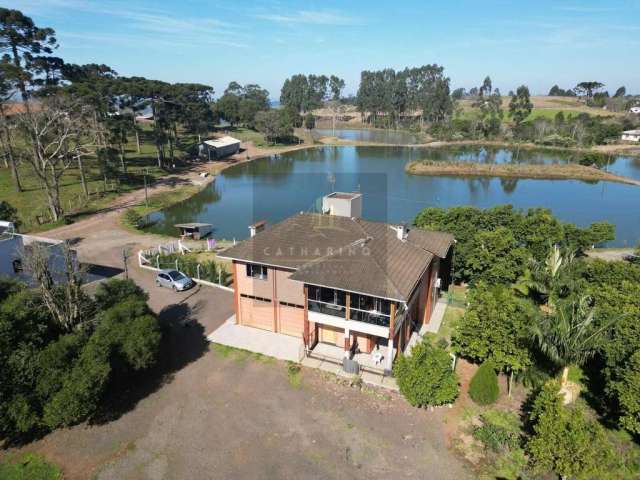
x=256, y=271
x=327, y=295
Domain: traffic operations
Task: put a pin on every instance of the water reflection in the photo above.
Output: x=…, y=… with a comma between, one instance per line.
x=277, y=187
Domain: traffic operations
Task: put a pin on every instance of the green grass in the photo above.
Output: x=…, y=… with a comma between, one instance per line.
x=239, y=355
x=29, y=466
x=32, y=203
x=248, y=135
x=294, y=375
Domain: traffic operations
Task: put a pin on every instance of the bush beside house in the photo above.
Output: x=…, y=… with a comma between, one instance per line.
x=426, y=378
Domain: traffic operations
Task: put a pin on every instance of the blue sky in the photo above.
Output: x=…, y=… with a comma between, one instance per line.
x=538, y=43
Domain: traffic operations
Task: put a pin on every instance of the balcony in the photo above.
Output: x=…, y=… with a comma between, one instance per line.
x=326, y=308
x=372, y=317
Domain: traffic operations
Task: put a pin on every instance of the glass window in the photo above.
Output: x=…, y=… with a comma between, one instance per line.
x=256, y=271
x=370, y=304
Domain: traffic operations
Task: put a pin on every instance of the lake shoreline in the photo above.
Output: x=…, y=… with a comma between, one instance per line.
x=525, y=171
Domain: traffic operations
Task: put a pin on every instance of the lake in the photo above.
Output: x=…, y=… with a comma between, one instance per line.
x=276, y=187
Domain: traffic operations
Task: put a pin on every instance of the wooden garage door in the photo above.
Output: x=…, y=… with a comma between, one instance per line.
x=291, y=320
x=334, y=336
x=256, y=313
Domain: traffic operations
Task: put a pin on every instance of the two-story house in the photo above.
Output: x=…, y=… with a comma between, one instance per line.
x=338, y=279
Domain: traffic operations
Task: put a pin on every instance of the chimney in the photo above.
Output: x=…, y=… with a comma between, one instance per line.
x=257, y=227
x=401, y=232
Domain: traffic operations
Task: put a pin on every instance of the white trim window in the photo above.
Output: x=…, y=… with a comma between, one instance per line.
x=257, y=271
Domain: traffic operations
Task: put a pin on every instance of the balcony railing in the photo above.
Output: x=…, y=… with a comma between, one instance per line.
x=327, y=308
x=373, y=318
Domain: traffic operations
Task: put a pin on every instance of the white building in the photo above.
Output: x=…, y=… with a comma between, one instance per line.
x=631, y=135
x=219, y=148
x=13, y=247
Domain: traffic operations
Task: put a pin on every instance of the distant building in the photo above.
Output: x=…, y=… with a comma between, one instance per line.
x=219, y=148
x=13, y=247
x=635, y=110
x=631, y=135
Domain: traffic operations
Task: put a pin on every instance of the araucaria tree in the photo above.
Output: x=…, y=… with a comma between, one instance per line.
x=59, y=133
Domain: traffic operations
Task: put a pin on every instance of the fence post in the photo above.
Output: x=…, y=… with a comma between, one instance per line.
x=177, y=264
x=198, y=271
x=219, y=275
x=158, y=262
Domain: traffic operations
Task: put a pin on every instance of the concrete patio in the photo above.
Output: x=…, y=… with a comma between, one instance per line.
x=267, y=343
x=329, y=358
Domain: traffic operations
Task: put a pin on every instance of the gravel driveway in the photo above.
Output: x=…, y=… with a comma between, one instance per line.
x=203, y=414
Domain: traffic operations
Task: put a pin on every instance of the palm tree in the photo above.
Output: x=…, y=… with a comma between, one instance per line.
x=545, y=278
x=569, y=335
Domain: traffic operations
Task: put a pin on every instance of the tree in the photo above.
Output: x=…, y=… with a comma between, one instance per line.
x=495, y=256
x=275, y=124
x=458, y=94
x=8, y=213
x=620, y=92
x=628, y=394
x=109, y=294
x=483, y=388
x=309, y=121
x=588, y=88
x=7, y=126
x=59, y=285
x=549, y=281
x=336, y=85
x=426, y=376
x=495, y=328
x=556, y=91
x=20, y=41
x=570, y=335
x=486, y=88
x=520, y=106
x=564, y=441
x=60, y=131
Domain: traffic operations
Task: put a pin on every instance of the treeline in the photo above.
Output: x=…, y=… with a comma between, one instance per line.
x=392, y=99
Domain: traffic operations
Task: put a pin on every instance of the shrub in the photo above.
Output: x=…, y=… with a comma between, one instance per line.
x=483, y=388
x=111, y=293
x=133, y=218
x=425, y=377
x=8, y=213
x=500, y=431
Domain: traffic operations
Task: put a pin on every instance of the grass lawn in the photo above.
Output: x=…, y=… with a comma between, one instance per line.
x=32, y=202
x=29, y=466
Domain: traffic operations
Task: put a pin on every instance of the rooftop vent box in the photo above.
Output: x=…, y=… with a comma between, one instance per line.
x=343, y=204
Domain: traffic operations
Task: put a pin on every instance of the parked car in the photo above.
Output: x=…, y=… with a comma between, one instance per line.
x=174, y=279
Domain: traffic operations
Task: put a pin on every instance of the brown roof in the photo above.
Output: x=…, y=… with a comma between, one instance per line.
x=345, y=253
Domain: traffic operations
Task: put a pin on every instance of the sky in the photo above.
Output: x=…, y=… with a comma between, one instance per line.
x=538, y=43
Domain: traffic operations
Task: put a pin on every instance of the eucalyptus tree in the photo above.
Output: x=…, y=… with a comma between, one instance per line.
x=520, y=106
x=486, y=88
x=336, y=85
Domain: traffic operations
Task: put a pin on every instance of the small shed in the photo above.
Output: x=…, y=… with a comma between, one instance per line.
x=219, y=148
x=195, y=231
x=631, y=135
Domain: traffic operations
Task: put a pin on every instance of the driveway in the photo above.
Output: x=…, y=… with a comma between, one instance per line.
x=206, y=413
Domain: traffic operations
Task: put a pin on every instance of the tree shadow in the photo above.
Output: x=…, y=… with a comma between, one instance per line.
x=183, y=342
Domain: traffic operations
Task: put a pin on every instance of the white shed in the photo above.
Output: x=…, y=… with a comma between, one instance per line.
x=219, y=147
x=631, y=135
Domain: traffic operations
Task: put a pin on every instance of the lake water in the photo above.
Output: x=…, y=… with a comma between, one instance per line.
x=392, y=137
x=276, y=187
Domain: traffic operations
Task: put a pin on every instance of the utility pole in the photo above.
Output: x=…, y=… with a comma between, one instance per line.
x=146, y=196
x=125, y=257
